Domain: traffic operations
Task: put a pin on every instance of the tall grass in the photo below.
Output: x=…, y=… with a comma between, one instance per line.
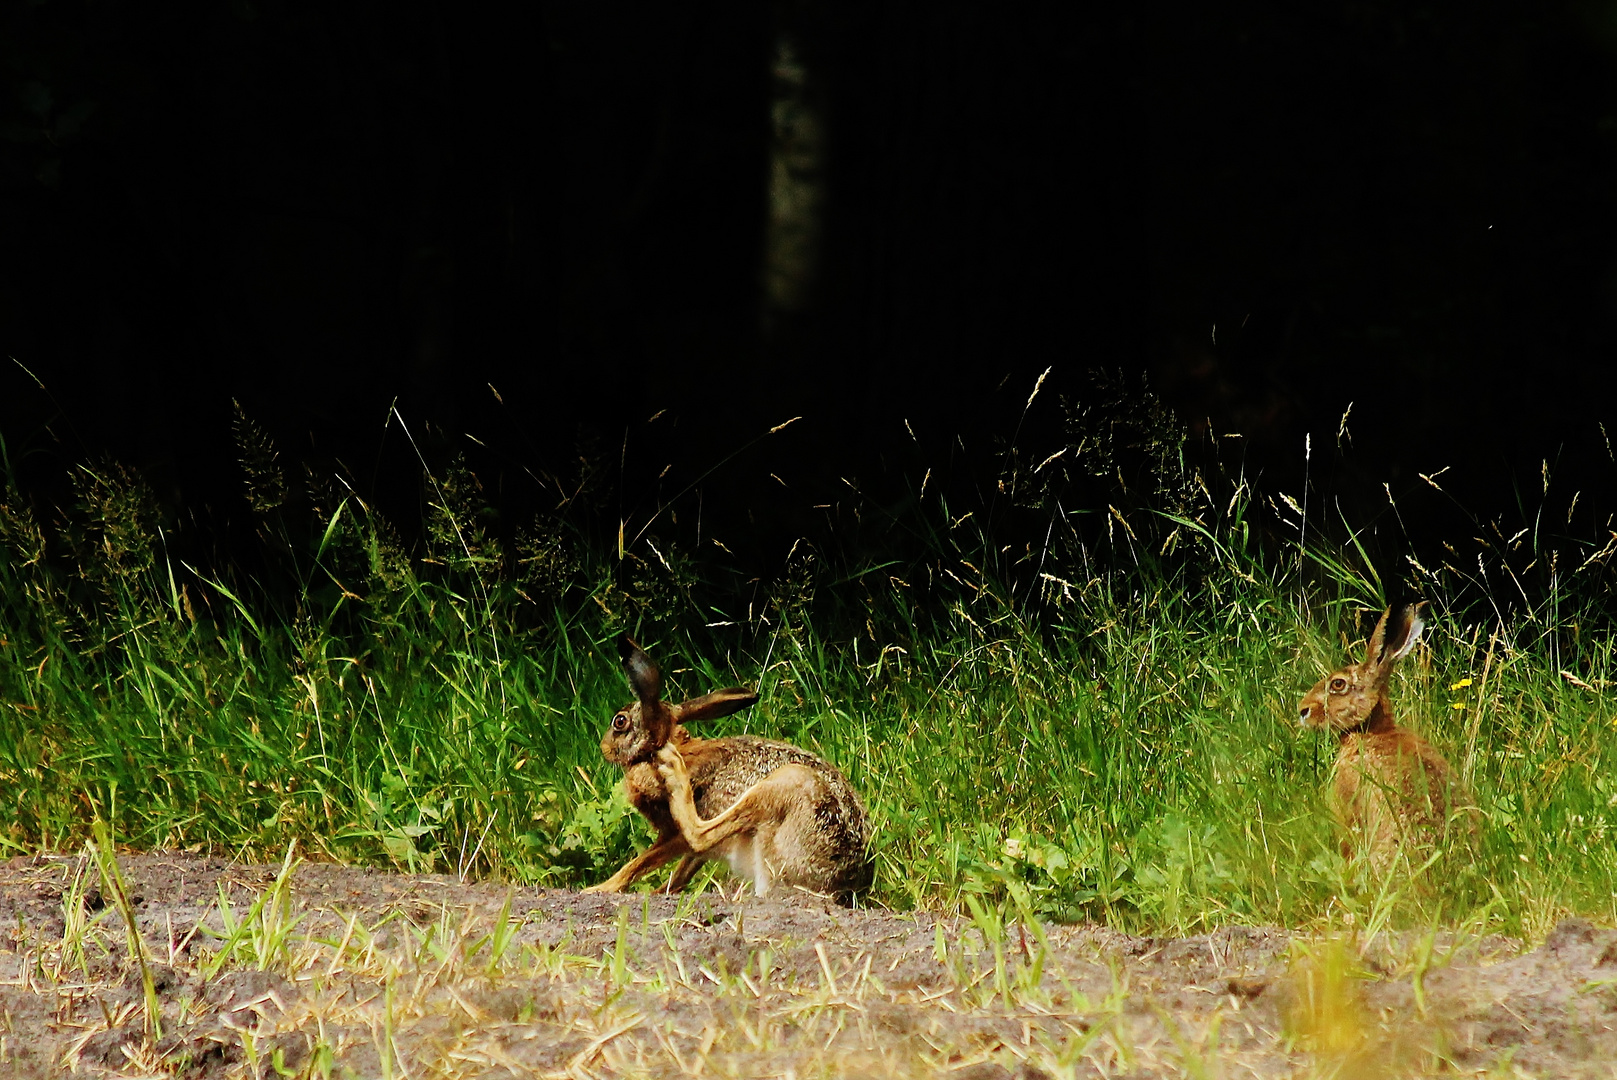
x=1076, y=687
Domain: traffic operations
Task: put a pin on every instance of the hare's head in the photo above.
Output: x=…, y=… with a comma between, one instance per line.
x=1346, y=698
x=639, y=730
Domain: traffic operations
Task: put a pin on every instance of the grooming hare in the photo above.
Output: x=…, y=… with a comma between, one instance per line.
x=777, y=814
x=1390, y=787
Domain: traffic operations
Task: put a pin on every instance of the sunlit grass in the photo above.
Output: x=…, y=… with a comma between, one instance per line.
x=1098, y=734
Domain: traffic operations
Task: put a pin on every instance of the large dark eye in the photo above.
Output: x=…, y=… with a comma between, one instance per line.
x=1338, y=685
x=620, y=722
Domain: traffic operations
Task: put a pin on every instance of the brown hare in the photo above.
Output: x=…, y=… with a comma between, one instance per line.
x=1391, y=790
x=777, y=814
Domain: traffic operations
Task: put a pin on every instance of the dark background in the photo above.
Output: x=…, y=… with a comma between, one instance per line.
x=1273, y=210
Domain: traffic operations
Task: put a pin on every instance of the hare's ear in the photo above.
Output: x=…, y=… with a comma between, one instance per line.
x=718, y=703
x=1378, y=637
x=644, y=677
x=1410, y=627
x=1389, y=650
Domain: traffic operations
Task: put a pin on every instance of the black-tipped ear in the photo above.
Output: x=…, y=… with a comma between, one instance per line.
x=718, y=703
x=1387, y=648
x=1410, y=626
x=644, y=677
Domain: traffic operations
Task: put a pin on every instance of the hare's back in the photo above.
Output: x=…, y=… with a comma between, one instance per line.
x=727, y=767
x=1398, y=765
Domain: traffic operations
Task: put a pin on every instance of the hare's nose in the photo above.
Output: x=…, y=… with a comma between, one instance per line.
x=1304, y=713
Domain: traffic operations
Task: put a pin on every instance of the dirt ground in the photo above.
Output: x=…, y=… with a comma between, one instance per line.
x=344, y=972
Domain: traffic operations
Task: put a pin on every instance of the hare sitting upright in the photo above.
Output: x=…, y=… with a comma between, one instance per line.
x=777, y=814
x=1391, y=790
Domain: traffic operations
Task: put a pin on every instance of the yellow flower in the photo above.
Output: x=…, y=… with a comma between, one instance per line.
x=1457, y=705
x=1461, y=685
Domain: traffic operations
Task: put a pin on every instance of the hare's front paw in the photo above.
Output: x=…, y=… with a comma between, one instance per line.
x=671, y=767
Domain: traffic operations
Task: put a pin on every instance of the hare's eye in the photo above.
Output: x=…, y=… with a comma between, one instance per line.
x=1338, y=685
x=620, y=722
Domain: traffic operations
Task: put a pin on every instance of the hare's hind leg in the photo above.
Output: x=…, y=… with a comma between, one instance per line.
x=666, y=848
x=681, y=877
x=766, y=802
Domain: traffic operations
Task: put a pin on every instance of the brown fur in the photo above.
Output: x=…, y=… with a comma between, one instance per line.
x=1391, y=790
x=777, y=814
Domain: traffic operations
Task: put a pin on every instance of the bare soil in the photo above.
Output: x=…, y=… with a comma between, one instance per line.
x=366, y=973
